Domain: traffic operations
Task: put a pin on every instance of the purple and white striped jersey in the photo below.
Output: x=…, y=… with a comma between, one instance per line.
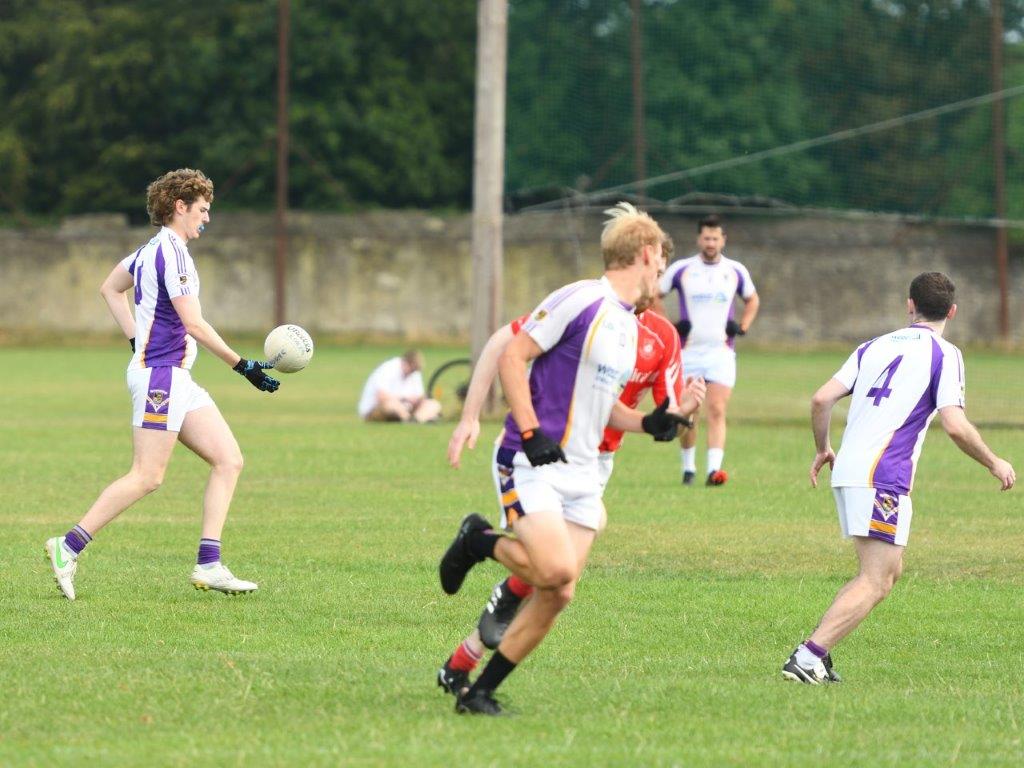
x=898, y=382
x=162, y=270
x=706, y=294
x=589, y=339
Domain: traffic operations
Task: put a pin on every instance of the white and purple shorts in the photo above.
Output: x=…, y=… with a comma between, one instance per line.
x=163, y=396
x=875, y=513
x=573, y=490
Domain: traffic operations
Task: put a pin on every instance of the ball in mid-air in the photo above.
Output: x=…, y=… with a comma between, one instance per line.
x=289, y=348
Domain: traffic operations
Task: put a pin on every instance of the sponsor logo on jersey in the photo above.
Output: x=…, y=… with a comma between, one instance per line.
x=718, y=298
x=608, y=374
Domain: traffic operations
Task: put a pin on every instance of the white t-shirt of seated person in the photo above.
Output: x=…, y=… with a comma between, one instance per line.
x=387, y=377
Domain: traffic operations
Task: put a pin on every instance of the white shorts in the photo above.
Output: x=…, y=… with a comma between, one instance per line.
x=161, y=397
x=605, y=465
x=875, y=513
x=717, y=365
x=575, y=490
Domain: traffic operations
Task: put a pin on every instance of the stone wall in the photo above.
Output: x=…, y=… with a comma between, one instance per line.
x=407, y=274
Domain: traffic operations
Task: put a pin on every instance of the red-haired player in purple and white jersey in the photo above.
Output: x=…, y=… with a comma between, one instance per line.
x=167, y=405
x=707, y=284
x=897, y=383
x=657, y=368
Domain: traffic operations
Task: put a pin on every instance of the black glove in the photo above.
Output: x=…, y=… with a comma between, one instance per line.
x=541, y=449
x=662, y=425
x=684, y=327
x=732, y=328
x=132, y=342
x=253, y=371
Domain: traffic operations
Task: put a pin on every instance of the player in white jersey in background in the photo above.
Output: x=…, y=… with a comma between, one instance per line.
x=898, y=383
x=167, y=406
x=582, y=342
x=707, y=282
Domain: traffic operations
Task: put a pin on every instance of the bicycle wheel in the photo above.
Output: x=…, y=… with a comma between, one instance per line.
x=449, y=385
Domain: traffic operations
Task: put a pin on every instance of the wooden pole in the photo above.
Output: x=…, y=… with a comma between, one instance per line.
x=999, y=159
x=281, y=202
x=488, y=173
x=639, y=130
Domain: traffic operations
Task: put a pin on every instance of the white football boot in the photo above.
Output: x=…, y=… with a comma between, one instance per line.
x=813, y=675
x=63, y=564
x=217, y=576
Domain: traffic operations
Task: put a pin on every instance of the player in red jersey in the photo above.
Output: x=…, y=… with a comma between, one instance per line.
x=658, y=367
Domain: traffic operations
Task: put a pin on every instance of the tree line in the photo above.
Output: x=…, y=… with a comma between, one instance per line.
x=100, y=97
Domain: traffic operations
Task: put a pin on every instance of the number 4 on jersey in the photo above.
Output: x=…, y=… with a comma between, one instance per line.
x=882, y=392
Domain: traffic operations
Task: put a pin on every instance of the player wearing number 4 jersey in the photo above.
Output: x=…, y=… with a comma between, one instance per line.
x=897, y=383
x=167, y=405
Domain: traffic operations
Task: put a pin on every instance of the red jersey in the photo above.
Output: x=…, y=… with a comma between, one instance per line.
x=658, y=367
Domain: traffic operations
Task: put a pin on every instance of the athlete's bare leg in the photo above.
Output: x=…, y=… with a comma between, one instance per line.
x=207, y=434
x=561, y=556
x=716, y=402
x=151, y=449
x=881, y=564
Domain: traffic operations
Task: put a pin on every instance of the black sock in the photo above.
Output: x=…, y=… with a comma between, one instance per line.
x=481, y=543
x=497, y=669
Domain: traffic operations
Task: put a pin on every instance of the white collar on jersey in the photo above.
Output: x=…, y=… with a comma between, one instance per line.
x=174, y=235
x=607, y=285
x=700, y=260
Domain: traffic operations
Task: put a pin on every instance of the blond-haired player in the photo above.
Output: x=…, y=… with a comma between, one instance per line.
x=581, y=341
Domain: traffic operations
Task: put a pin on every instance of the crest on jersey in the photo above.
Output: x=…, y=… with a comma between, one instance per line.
x=540, y=315
x=158, y=398
x=648, y=348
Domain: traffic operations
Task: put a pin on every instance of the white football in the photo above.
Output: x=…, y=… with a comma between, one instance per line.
x=289, y=348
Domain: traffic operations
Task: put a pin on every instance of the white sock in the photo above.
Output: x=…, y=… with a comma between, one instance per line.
x=689, y=459
x=805, y=657
x=715, y=456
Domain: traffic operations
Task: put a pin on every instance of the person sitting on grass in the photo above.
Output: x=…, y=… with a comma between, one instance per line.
x=394, y=392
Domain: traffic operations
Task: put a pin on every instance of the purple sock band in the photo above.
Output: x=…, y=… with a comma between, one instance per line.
x=76, y=539
x=816, y=649
x=209, y=551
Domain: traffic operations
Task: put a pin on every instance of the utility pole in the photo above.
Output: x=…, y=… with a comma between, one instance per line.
x=999, y=158
x=281, y=203
x=488, y=173
x=639, y=130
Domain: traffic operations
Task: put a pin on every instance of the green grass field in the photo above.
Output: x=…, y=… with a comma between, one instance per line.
x=670, y=654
